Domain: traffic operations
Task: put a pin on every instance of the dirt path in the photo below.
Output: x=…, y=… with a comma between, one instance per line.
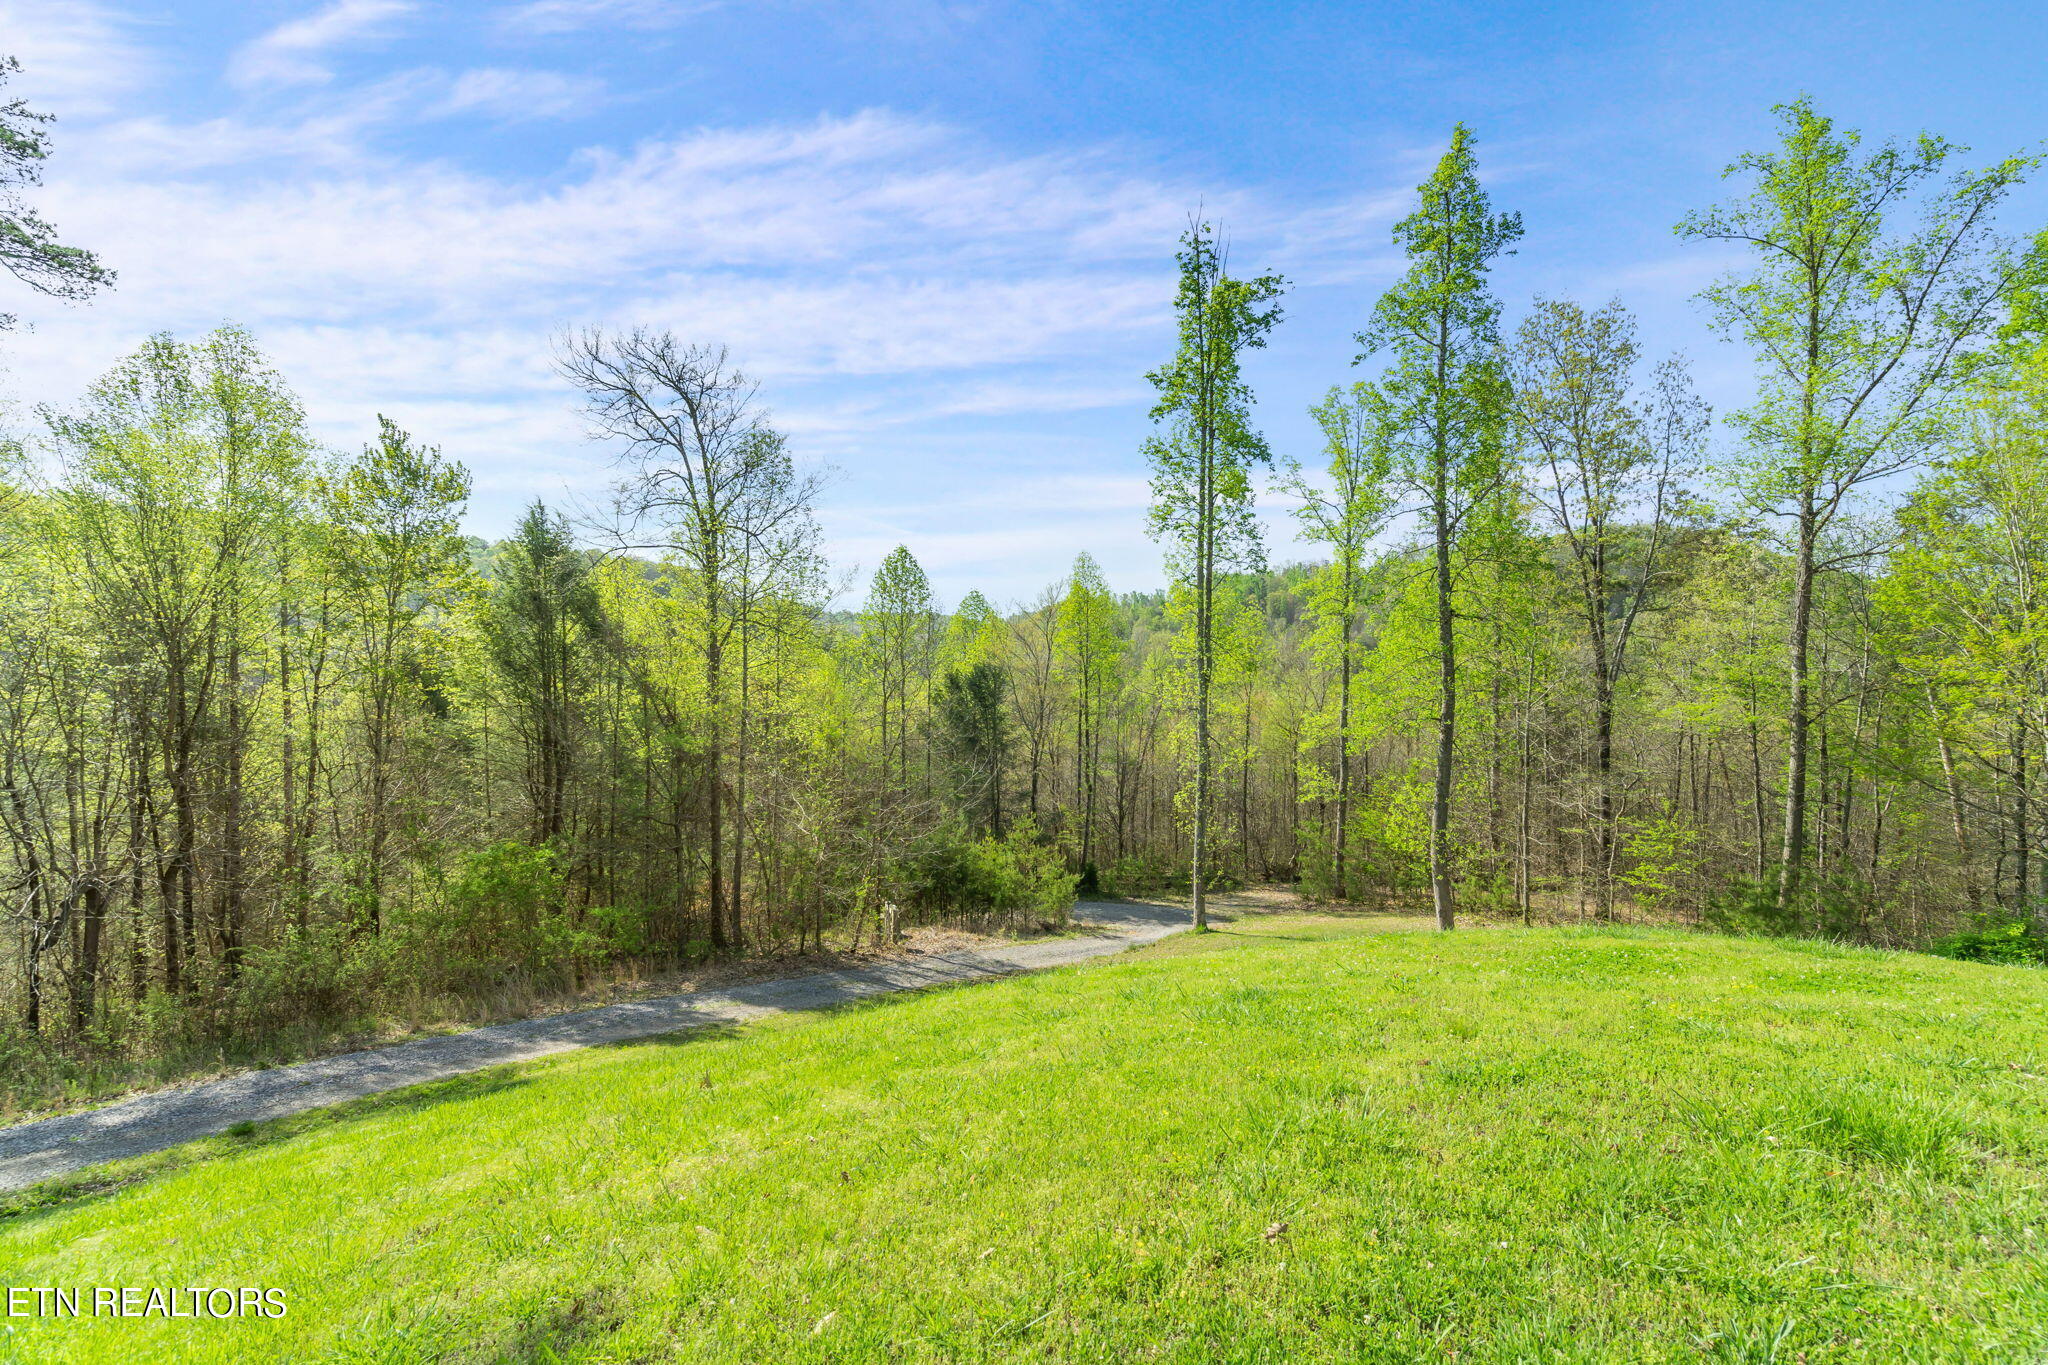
x=34, y=1152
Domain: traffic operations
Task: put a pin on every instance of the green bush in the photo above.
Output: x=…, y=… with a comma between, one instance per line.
x=1015, y=876
x=504, y=912
x=2012, y=941
x=1141, y=874
x=327, y=971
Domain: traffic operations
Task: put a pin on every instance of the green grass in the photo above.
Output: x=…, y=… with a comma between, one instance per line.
x=1294, y=1140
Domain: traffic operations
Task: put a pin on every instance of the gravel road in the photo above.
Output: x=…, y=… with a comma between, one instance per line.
x=34, y=1152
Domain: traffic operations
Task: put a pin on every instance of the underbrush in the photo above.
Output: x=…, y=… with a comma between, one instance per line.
x=2003, y=939
x=501, y=935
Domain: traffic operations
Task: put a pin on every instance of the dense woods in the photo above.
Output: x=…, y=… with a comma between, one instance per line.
x=279, y=744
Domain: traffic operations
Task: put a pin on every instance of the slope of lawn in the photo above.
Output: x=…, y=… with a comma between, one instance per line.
x=1296, y=1140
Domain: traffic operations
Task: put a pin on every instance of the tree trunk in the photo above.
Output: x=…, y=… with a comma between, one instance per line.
x=1447, y=719
x=1792, y=851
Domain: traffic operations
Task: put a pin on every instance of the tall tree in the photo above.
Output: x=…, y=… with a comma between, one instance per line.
x=974, y=728
x=1089, y=653
x=973, y=635
x=391, y=516
x=713, y=483
x=542, y=623
x=1201, y=471
x=1344, y=518
x=898, y=628
x=1606, y=471
x=1967, y=597
x=1443, y=403
x=1874, y=283
x=183, y=464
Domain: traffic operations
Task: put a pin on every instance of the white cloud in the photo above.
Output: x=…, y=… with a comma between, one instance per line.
x=77, y=58
x=875, y=270
x=291, y=53
x=563, y=16
x=496, y=92
x=905, y=291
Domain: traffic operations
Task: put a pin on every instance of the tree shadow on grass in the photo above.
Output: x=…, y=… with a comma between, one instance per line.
x=1284, y=938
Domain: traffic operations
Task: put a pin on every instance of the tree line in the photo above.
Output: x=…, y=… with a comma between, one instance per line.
x=279, y=744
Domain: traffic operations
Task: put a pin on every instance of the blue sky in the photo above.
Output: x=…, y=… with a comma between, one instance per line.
x=939, y=234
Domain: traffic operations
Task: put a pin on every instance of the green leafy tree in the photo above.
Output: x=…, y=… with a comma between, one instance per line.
x=184, y=465
x=898, y=626
x=1606, y=473
x=974, y=731
x=1443, y=404
x=391, y=518
x=1875, y=282
x=1344, y=518
x=543, y=622
x=1201, y=471
x=974, y=634
x=1967, y=592
x=1089, y=655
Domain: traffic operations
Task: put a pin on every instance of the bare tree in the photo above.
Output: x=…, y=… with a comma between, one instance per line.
x=706, y=480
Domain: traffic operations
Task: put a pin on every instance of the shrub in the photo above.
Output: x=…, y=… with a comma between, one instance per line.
x=1140, y=874
x=323, y=972
x=2008, y=940
x=1015, y=876
x=1663, y=860
x=505, y=911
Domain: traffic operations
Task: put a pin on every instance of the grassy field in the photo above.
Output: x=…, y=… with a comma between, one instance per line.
x=1297, y=1140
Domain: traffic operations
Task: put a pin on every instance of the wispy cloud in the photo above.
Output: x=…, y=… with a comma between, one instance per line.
x=899, y=284
x=564, y=16
x=293, y=52
x=495, y=92
x=78, y=58
x=874, y=250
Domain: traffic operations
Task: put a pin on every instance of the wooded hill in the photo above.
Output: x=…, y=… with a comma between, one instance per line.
x=278, y=745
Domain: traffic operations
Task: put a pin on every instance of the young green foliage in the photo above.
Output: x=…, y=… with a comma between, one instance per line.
x=1344, y=519
x=1201, y=469
x=1442, y=401
x=1606, y=473
x=1875, y=282
x=1090, y=652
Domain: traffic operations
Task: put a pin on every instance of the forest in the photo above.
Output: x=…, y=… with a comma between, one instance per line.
x=282, y=747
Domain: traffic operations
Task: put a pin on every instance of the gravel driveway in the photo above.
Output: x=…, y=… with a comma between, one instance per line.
x=43, y=1150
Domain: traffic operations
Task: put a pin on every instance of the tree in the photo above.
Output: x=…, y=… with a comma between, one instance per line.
x=1443, y=403
x=542, y=622
x=184, y=465
x=1089, y=652
x=1345, y=519
x=1967, y=592
x=974, y=634
x=715, y=485
x=898, y=627
x=391, y=516
x=974, y=730
x=1201, y=470
x=28, y=245
x=1863, y=330
x=1606, y=473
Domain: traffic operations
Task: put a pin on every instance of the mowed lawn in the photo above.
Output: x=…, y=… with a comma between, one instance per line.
x=1300, y=1139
